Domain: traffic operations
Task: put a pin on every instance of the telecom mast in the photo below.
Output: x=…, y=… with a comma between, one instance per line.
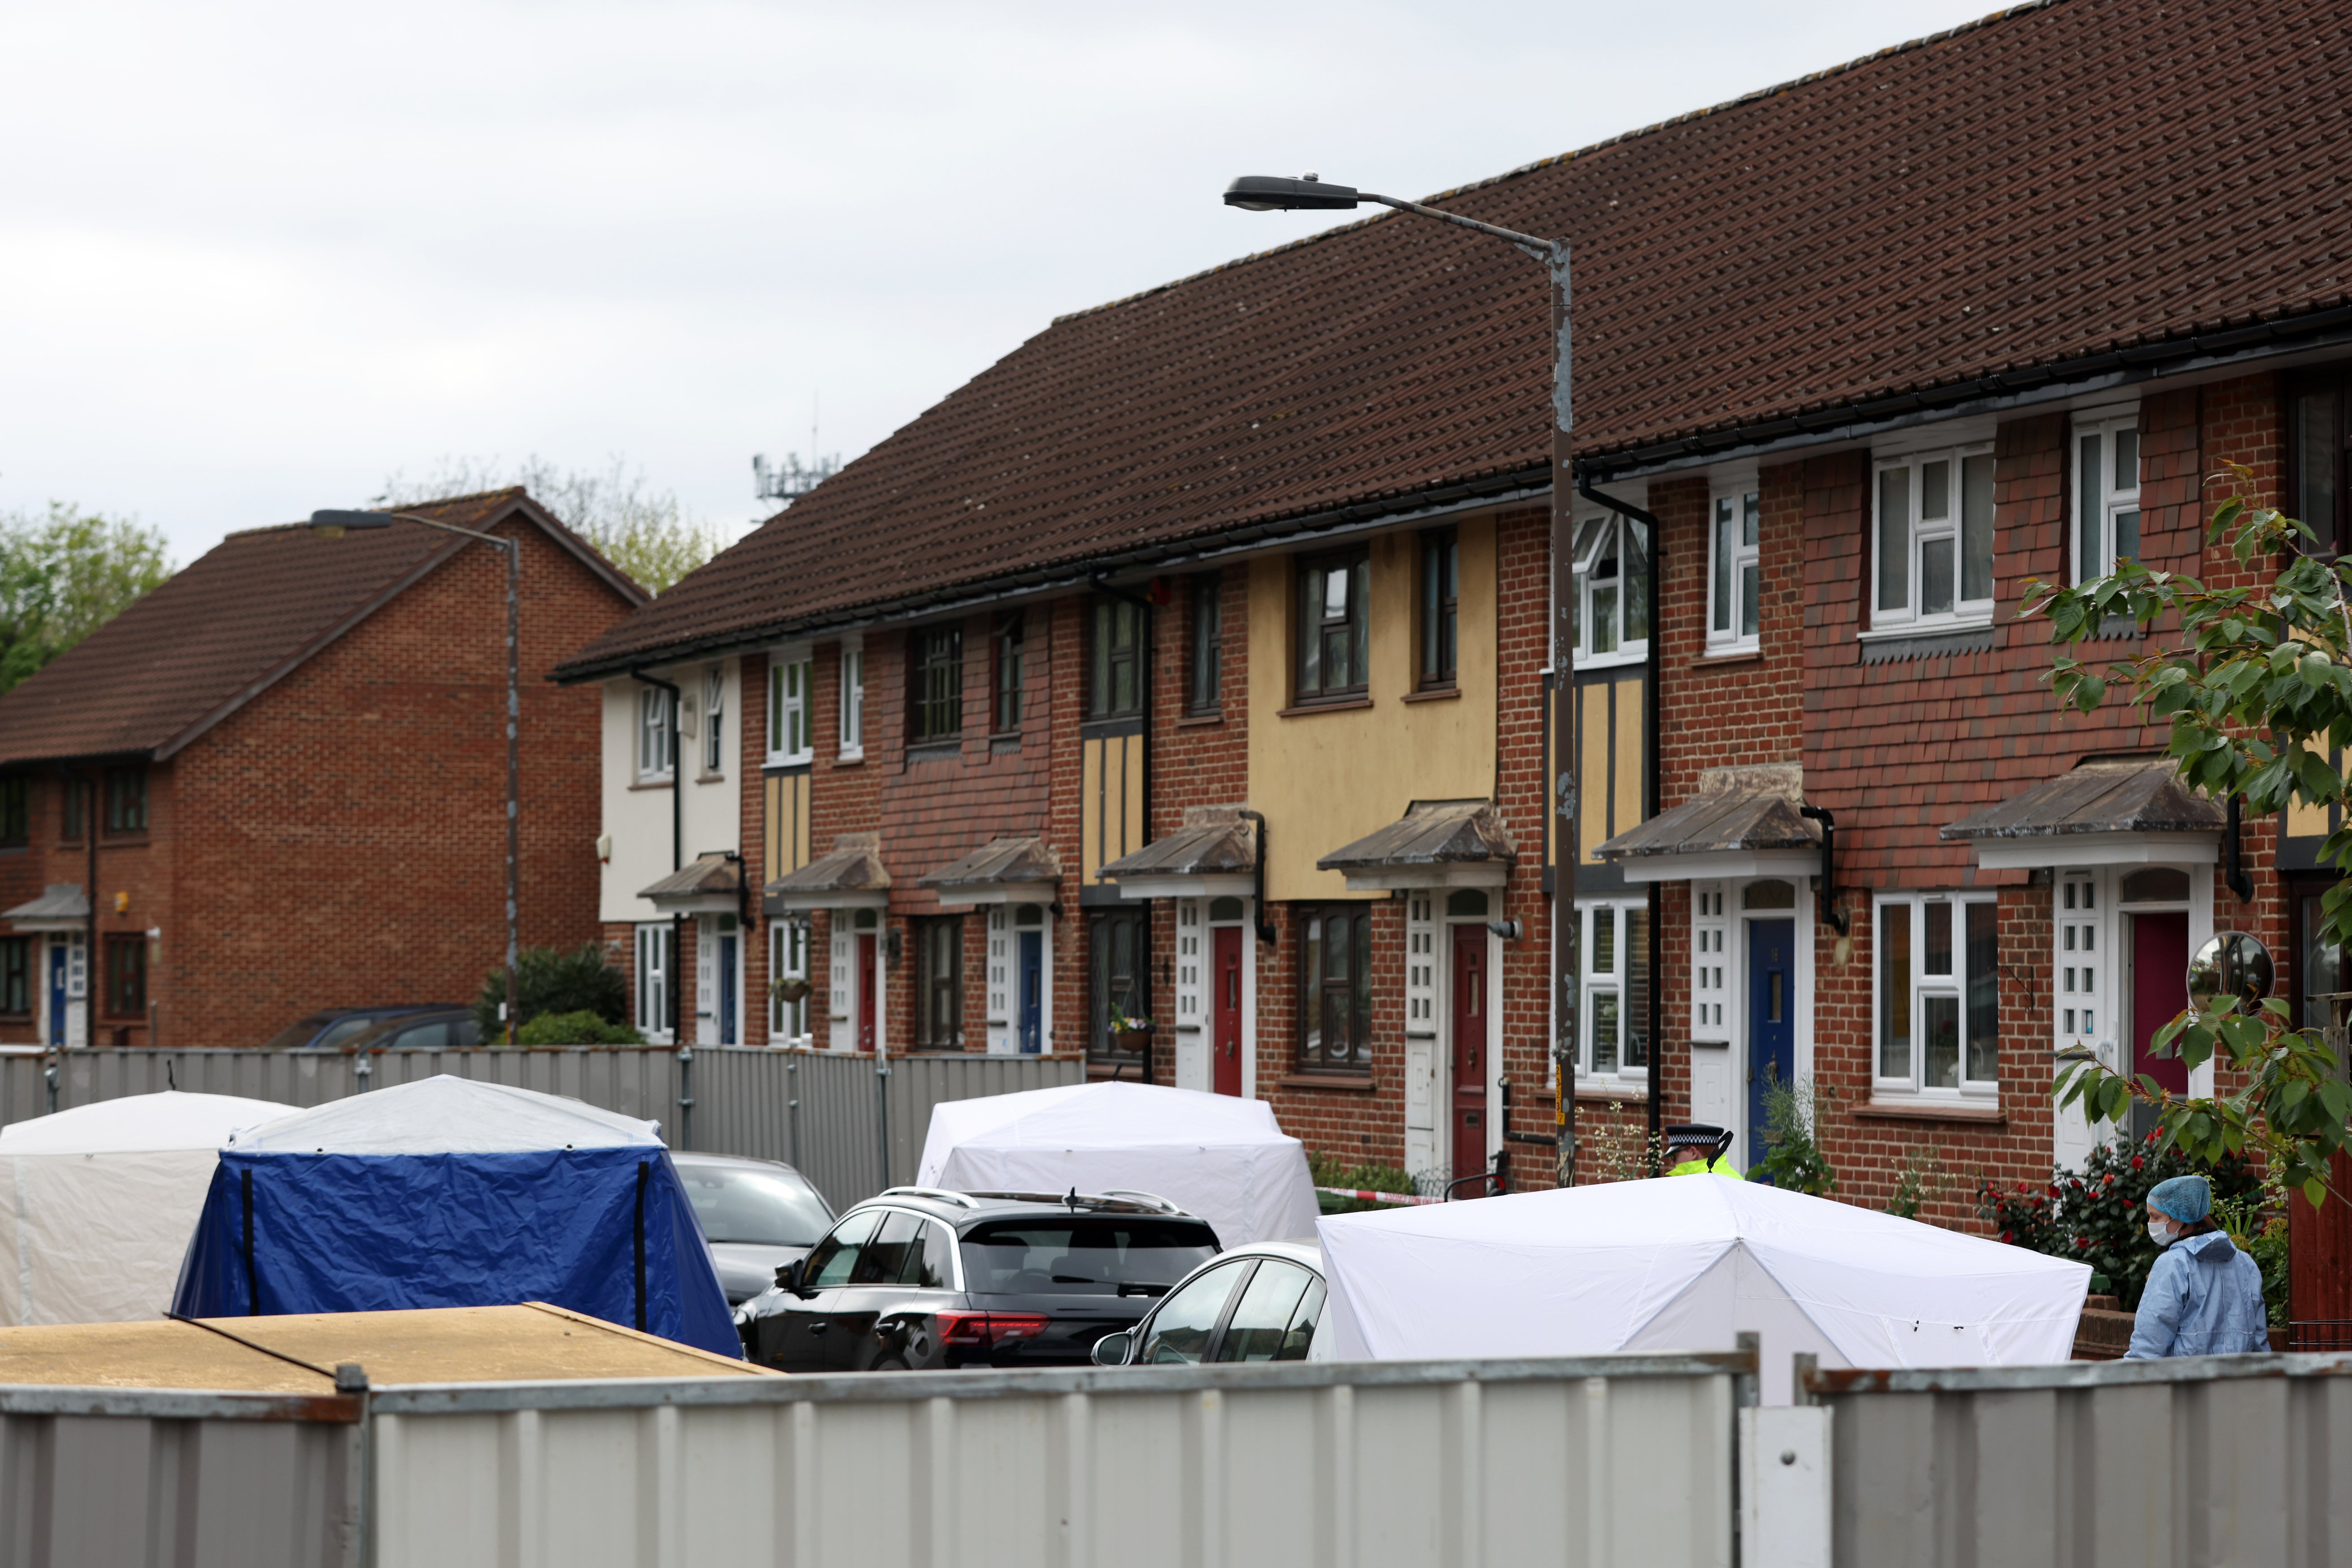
x=789, y=480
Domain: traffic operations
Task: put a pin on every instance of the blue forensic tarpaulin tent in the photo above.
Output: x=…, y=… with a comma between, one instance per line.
x=452, y=1193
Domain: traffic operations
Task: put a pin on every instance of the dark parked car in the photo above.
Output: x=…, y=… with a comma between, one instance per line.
x=918, y=1278
x=432, y=1029
x=333, y=1029
x=756, y=1215
x=1259, y=1303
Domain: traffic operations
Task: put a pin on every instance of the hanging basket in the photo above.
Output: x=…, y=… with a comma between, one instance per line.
x=789, y=992
x=1139, y=1040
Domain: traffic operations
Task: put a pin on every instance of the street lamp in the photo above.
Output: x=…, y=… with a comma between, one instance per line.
x=333, y=524
x=1275, y=193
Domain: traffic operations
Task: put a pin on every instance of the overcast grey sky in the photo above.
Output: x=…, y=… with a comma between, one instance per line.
x=255, y=257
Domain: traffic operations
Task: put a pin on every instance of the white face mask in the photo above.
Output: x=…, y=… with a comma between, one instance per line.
x=2159, y=1232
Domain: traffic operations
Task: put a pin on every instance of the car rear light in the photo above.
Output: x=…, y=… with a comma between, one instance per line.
x=982, y=1330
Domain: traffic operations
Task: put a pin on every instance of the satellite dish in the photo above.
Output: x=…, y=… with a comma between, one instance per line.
x=2230, y=964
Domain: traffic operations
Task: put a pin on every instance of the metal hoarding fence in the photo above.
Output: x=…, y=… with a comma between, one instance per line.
x=2198, y=1460
x=818, y=1110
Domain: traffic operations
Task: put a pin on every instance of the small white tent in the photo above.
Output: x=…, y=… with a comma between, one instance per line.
x=1214, y=1156
x=1689, y=1263
x=96, y=1203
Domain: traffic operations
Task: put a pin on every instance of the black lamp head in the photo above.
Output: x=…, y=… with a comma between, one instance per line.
x=333, y=524
x=1276, y=193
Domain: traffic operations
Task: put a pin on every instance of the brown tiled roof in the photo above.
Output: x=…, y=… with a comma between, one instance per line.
x=2058, y=183
x=237, y=620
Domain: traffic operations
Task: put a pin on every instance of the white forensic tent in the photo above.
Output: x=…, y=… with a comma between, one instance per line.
x=1689, y=1263
x=96, y=1202
x=1215, y=1155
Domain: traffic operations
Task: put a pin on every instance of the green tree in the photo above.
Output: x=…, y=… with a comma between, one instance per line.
x=647, y=534
x=2258, y=698
x=65, y=574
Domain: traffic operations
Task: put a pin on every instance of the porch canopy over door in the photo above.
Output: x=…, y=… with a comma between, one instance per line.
x=1435, y=844
x=1001, y=871
x=1213, y=855
x=1744, y=822
x=851, y=878
x=2132, y=812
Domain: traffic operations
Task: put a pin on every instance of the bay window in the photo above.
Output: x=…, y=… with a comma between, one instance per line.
x=1932, y=547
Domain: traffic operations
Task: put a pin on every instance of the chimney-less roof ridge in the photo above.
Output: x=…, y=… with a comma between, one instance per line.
x=1755, y=96
x=505, y=492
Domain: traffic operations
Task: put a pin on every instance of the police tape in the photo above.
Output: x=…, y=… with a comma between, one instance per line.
x=1371, y=1197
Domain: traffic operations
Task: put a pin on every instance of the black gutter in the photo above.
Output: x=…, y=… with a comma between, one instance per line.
x=2120, y=366
x=1650, y=759
x=1496, y=489
x=676, y=856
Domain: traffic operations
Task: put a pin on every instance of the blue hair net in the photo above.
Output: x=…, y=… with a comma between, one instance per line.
x=2186, y=1198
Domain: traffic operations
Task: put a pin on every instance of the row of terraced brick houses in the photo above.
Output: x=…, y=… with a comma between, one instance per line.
x=1190, y=662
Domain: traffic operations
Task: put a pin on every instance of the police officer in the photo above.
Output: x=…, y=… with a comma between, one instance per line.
x=1695, y=1149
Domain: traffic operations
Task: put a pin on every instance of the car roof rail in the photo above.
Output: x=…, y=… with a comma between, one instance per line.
x=942, y=1193
x=1153, y=1198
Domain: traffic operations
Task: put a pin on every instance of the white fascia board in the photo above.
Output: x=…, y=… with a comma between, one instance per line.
x=809, y=904
x=1403, y=878
x=2068, y=851
x=996, y=893
x=1720, y=865
x=1238, y=886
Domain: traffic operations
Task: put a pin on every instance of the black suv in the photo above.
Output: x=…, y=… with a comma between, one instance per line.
x=920, y=1277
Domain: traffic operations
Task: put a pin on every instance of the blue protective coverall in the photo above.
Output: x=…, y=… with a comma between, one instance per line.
x=2203, y=1297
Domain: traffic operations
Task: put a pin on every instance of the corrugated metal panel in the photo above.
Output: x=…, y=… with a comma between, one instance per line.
x=187, y=1480
x=2206, y=1459
x=1593, y=1461
x=742, y=1098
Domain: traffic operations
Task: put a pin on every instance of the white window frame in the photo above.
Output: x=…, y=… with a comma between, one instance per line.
x=2101, y=500
x=1920, y=535
x=853, y=699
x=1614, y=983
x=714, y=731
x=1591, y=626
x=1913, y=909
x=791, y=676
x=2083, y=1004
x=1737, y=507
x=655, y=762
x=654, y=972
x=788, y=952
x=1712, y=969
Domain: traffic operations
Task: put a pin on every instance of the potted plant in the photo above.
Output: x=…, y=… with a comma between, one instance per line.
x=1128, y=1031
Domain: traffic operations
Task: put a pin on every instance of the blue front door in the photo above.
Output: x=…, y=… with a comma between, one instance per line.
x=58, y=994
x=727, y=990
x=1772, y=1012
x=1029, y=989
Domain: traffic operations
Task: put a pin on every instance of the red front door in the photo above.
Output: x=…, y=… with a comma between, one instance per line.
x=863, y=1003
x=1226, y=1039
x=2160, y=960
x=1470, y=1046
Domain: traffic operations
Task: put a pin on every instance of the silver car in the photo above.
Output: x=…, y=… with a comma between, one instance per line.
x=1258, y=1302
x=756, y=1215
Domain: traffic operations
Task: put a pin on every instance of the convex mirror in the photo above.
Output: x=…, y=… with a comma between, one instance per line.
x=2230, y=964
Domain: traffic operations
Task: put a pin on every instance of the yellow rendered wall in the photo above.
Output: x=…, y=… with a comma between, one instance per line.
x=1328, y=779
x=787, y=825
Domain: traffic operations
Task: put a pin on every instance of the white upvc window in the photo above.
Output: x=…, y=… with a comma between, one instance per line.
x=1932, y=547
x=1710, y=966
x=788, y=946
x=1937, y=988
x=1615, y=957
x=714, y=731
x=853, y=699
x=1735, y=573
x=2107, y=493
x=655, y=762
x=790, y=676
x=654, y=971
x=1613, y=590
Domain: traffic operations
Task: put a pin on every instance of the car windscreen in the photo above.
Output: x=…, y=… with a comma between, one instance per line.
x=1083, y=1256
x=297, y=1034
x=765, y=1208
x=342, y=1032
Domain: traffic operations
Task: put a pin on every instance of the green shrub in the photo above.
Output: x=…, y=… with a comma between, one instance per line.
x=582, y=1028
x=552, y=980
x=1328, y=1171
x=2099, y=1217
x=1793, y=1161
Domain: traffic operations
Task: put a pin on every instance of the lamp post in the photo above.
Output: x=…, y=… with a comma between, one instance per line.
x=334, y=525
x=1270, y=193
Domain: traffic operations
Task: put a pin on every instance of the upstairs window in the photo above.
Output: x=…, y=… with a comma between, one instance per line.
x=791, y=680
x=1934, y=539
x=2317, y=444
x=1204, y=663
x=1009, y=634
x=1736, y=574
x=73, y=808
x=2106, y=495
x=126, y=800
x=1332, y=626
x=15, y=812
x=1441, y=592
x=1114, y=661
x=853, y=701
x=1612, y=589
x=714, y=708
x=655, y=760
x=935, y=689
